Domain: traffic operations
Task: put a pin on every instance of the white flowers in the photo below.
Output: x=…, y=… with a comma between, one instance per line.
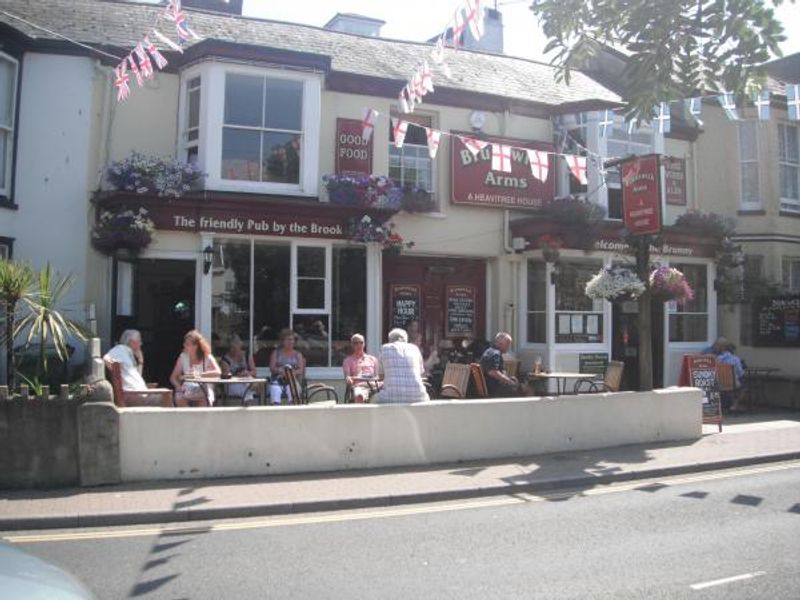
x=611, y=283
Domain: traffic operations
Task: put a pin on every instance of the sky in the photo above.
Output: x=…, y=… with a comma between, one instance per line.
x=419, y=20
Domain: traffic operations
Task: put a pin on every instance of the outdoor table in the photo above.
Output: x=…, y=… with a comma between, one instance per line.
x=561, y=378
x=754, y=378
x=251, y=382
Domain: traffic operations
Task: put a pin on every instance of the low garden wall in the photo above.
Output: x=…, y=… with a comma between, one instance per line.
x=159, y=444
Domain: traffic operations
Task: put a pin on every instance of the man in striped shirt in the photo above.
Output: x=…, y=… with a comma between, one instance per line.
x=402, y=368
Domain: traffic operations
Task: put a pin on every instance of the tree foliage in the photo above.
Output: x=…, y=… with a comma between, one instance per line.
x=677, y=48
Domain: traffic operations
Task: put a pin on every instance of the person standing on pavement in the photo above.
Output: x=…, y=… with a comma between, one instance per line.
x=402, y=368
x=498, y=384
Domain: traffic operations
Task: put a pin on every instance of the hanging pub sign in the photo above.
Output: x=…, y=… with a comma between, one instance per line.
x=353, y=154
x=674, y=180
x=521, y=183
x=460, y=311
x=641, y=194
x=405, y=303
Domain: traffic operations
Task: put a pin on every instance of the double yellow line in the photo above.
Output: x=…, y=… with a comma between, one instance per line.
x=401, y=511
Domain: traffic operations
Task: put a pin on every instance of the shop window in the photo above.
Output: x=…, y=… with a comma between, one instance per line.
x=750, y=195
x=537, y=303
x=688, y=322
x=789, y=166
x=411, y=165
x=8, y=102
x=579, y=319
x=230, y=293
x=790, y=267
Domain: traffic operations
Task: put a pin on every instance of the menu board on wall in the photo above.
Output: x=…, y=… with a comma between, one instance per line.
x=776, y=320
x=703, y=375
x=674, y=180
x=460, y=310
x=405, y=303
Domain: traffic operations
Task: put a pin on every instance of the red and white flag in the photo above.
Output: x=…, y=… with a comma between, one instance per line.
x=501, y=158
x=577, y=166
x=427, y=78
x=403, y=98
x=135, y=70
x=475, y=18
x=416, y=86
x=473, y=145
x=121, y=81
x=540, y=163
x=145, y=66
x=458, y=27
x=166, y=41
x=433, y=135
x=368, y=123
x=399, y=128
x=159, y=59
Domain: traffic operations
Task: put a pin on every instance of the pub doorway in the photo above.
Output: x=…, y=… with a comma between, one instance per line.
x=157, y=297
x=446, y=297
x=625, y=342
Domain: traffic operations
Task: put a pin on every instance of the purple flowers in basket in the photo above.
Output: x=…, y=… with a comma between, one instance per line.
x=150, y=174
x=363, y=191
x=668, y=283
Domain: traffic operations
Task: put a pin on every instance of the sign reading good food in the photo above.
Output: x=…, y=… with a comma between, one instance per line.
x=641, y=194
x=674, y=180
x=460, y=310
x=474, y=181
x=405, y=304
x=353, y=153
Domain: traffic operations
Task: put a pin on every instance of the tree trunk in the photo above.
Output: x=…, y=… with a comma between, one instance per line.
x=11, y=366
x=645, y=320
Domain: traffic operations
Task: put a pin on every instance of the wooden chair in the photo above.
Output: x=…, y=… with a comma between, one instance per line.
x=726, y=385
x=305, y=395
x=478, y=381
x=511, y=367
x=123, y=398
x=612, y=379
x=455, y=381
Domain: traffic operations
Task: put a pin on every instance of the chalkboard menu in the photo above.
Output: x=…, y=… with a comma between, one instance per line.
x=592, y=362
x=460, y=310
x=703, y=375
x=405, y=303
x=776, y=320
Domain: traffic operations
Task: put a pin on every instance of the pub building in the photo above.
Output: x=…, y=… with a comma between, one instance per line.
x=263, y=246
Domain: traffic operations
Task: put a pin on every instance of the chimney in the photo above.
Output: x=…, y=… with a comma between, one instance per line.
x=356, y=24
x=233, y=7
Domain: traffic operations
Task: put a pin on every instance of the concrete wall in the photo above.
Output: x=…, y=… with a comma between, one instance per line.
x=218, y=442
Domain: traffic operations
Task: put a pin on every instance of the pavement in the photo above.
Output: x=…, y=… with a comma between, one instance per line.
x=745, y=440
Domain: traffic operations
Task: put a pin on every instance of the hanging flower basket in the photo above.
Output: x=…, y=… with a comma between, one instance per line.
x=550, y=247
x=668, y=283
x=150, y=174
x=615, y=284
x=363, y=191
x=124, y=232
x=368, y=230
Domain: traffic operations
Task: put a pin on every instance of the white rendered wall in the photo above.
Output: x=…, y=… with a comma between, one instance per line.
x=221, y=442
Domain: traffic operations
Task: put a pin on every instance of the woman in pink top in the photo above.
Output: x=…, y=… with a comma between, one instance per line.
x=358, y=368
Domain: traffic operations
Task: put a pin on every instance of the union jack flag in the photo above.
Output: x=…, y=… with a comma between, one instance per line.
x=161, y=62
x=145, y=66
x=135, y=70
x=175, y=13
x=121, y=81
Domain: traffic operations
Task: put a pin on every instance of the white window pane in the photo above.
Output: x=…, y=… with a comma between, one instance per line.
x=3, y=158
x=281, y=157
x=8, y=76
x=748, y=143
x=750, y=182
x=244, y=100
x=284, y=104
x=194, y=108
x=241, y=154
x=789, y=182
x=792, y=143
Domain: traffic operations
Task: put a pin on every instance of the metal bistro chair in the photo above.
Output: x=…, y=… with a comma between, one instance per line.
x=304, y=396
x=455, y=381
x=136, y=398
x=612, y=379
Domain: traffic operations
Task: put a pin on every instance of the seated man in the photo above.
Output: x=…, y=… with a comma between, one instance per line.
x=359, y=369
x=727, y=355
x=402, y=369
x=498, y=384
x=128, y=353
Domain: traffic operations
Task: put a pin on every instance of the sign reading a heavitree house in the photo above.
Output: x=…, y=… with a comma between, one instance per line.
x=474, y=182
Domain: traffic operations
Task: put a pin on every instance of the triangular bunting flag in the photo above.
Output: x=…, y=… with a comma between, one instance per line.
x=501, y=158
x=433, y=135
x=403, y=99
x=164, y=39
x=577, y=166
x=540, y=163
x=427, y=78
x=399, y=128
x=457, y=26
x=159, y=59
x=368, y=124
x=473, y=145
x=793, y=101
x=145, y=66
x=761, y=100
x=121, y=81
x=475, y=18
x=135, y=70
x=728, y=104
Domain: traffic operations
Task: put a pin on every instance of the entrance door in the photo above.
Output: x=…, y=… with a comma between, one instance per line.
x=446, y=296
x=161, y=305
x=625, y=342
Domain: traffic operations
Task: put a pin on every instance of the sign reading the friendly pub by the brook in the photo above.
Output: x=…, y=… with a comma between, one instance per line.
x=474, y=181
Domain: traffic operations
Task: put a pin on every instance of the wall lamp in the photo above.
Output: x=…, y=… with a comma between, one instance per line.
x=208, y=259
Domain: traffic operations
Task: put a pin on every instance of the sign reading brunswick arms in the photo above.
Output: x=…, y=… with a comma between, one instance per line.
x=474, y=182
x=641, y=194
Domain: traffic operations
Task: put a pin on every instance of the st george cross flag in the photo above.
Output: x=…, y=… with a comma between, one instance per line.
x=577, y=166
x=793, y=101
x=728, y=104
x=604, y=121
x=663, y=117
x=161, y=62
x=399, y=128
x=404, y=101
x=473, y=145
x=368, y=123
x=693, y=107
x=501, y=158
x=433, y=135
x=427, y=78
x=540, y=163
x=457, y=27
x=475, y=18
x=121, y=81
x=761, y=100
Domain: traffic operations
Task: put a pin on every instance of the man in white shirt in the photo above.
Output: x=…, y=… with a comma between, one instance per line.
x=128, y=353
x=402, y=369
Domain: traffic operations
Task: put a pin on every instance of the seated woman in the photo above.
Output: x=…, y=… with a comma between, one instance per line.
x=284, y=355
x=236, y=363
x=195, y=361
x=359, y=367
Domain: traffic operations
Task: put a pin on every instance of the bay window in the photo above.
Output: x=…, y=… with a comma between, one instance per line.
x=789, y=166
x=688, y=322
x=8, y=103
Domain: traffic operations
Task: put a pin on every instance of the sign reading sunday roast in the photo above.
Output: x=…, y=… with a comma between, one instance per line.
x=474, y=182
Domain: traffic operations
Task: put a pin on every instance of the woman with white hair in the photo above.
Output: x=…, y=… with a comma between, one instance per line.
x=402, y=368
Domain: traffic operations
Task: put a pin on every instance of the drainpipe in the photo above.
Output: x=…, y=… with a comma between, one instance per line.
x=510, y=312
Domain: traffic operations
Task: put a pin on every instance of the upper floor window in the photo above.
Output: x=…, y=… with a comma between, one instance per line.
x=252, y=129
x=411, y=165
x=790, y=267
x=750, y=195
x=8, y=101
x=789, y=166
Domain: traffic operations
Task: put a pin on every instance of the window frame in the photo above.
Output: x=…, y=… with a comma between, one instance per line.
x=11, y=131
x=415, y=120
x=598, y=307
x=670, y=308
x=212, y=112
x=788, y=204
x=786, y=281
x=743, y=203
